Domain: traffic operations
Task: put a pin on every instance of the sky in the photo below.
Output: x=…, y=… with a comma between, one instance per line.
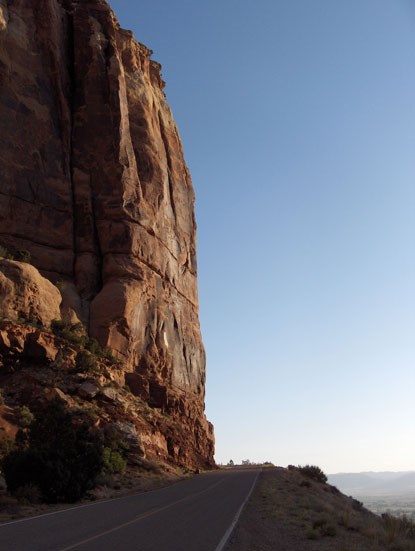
x=298, y=124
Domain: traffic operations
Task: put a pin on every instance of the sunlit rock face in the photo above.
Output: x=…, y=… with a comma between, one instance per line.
x=94, y=185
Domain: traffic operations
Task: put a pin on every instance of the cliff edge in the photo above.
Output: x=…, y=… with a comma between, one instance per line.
x=94, y=187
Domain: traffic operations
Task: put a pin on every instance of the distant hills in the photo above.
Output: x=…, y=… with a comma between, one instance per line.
x=375, y=484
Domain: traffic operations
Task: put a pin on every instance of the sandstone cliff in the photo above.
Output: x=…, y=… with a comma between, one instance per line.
x=94, y=185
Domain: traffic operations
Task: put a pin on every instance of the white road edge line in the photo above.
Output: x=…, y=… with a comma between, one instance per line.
x=231, y=528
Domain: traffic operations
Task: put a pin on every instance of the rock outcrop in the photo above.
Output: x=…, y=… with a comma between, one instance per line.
x=26, y=294
x=94, y=185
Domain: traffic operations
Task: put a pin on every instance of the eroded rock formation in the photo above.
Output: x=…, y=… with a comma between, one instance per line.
x=94, y=185
x=26, y=294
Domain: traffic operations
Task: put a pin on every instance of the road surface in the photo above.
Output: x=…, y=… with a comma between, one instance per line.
x=194, y=515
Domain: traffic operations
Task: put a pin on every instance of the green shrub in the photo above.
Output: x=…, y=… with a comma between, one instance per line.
x=114, y=463
x=313, y=472
x=58, y=326
x=59, y=360
x=85, y=361
x=76, y=334
x=56, y=455
x=72, y=332
x=20, y=256
x=23, y=256
x=24, y=417
x=6, y=446
x=93, y=346
x=5, y=253
x=114, y=441
x=97, y=350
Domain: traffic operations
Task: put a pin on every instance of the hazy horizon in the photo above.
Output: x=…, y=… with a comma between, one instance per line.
x=298, y=126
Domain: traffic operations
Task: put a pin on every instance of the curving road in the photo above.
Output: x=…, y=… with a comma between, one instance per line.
x=195, y=515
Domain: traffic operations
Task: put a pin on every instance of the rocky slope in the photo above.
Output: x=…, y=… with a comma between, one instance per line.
x=291, y=512
x=93, y=184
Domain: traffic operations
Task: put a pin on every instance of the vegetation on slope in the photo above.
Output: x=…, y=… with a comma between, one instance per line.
x=291, y=511
x=76, y=420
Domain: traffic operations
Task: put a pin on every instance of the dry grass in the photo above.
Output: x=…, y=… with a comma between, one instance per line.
x=289, y=512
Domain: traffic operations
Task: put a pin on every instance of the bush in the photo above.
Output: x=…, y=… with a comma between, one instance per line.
x=85, y=361
x=60, y=458
x=5, y=253
x=93, y=346
x=6, y=446
x=59, y=360
x=24, y=417
x=313, y=472
x=23, y=256
x=72, y=332
x=20, y=256
x=114, y=440
x=114, y=463
x=76, y=334
x=97, y=350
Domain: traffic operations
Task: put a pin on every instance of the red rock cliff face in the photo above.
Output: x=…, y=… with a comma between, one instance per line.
x=94, y=184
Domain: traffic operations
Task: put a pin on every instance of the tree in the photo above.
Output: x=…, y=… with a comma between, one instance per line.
x=231, y=463
x=56, y=455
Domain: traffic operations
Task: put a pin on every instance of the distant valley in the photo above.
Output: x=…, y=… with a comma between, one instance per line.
x=380, y=491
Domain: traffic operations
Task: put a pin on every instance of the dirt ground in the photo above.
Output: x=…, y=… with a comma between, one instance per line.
x=289, y=512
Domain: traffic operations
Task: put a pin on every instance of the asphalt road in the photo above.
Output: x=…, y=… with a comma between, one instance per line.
x=194, y=515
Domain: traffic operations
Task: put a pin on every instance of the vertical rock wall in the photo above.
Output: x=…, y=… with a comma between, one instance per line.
x=94, y=184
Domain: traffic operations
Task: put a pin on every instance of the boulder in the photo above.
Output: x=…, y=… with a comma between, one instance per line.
x=88, y=391
x=26, y=294
x=128, y=433
x=41, y=347
x=109, y=394
x=56, y=393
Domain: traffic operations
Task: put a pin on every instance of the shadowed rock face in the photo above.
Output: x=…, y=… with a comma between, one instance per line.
x=94, y=184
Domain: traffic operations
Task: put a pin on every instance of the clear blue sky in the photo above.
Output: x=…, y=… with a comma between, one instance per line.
x=298, y=124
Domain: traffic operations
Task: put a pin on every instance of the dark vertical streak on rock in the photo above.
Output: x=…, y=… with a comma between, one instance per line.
x=169, y=164
x=72, y=81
